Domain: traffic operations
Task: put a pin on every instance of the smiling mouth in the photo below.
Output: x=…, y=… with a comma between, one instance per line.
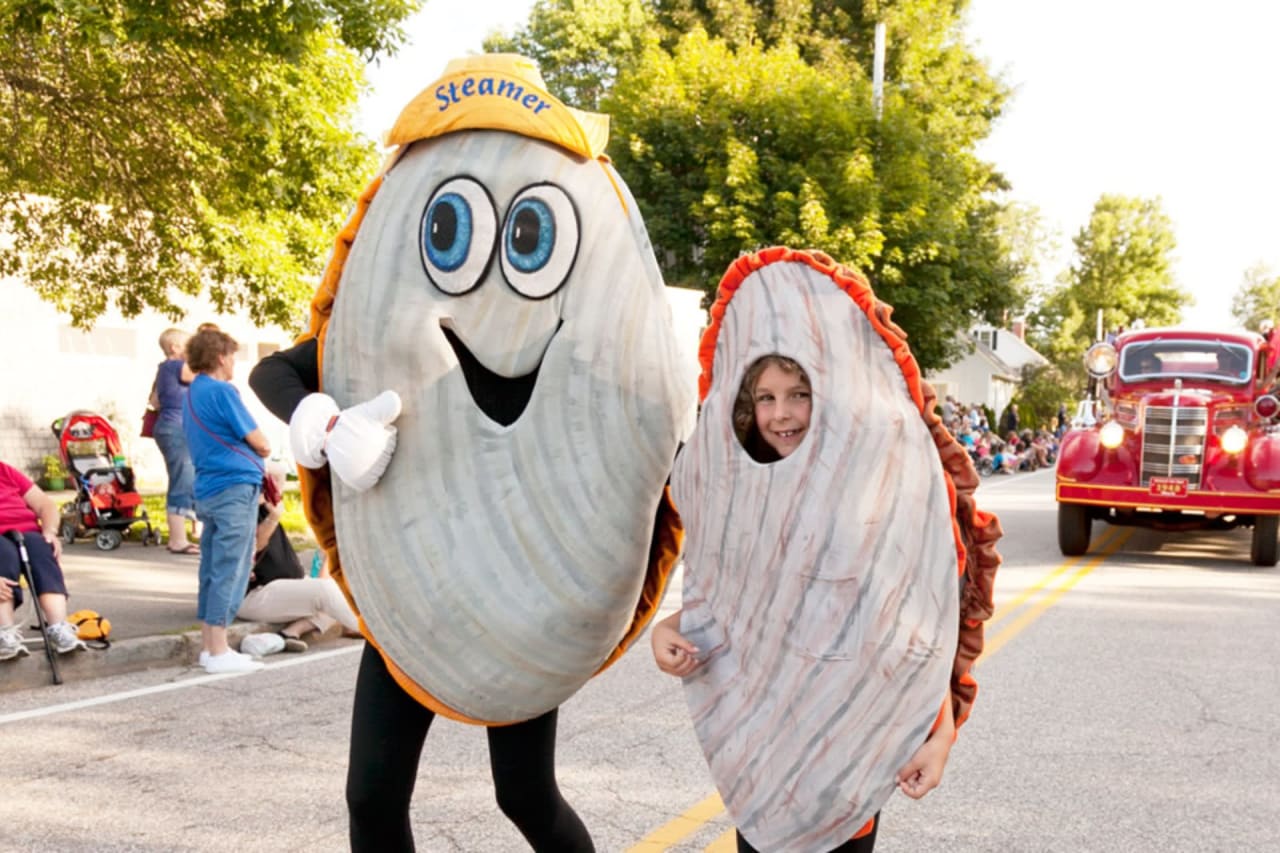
x=503, y=399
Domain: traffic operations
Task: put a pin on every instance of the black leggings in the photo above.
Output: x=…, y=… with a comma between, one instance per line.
x=388, y=728
x=865, y=844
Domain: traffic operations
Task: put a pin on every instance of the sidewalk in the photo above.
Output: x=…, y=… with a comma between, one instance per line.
x=148, y=594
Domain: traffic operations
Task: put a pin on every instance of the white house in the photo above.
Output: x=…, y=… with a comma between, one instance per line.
x=1009, y=345
x=989, y=374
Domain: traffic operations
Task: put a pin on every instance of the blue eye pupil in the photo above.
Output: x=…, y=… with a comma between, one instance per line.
x=448, y=237
x=531, y=235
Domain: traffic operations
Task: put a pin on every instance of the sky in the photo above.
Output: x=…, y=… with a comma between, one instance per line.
x=1149, y=98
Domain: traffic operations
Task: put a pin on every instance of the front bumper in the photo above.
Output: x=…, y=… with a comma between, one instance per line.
x=1169, y=497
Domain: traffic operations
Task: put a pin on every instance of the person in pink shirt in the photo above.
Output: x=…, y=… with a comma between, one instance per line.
x=25, y=508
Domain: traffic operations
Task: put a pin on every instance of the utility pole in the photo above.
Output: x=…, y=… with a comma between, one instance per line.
x=877, y=72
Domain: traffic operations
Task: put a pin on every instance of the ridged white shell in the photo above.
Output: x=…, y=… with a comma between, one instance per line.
x=821, y=588
x=498, y=566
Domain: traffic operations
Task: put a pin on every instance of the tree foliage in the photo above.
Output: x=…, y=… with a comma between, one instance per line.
x=1043, y=388
x=1123, y=269
x=156, y=147
x=1257, y=299
x=743, y=124
x=580, y=46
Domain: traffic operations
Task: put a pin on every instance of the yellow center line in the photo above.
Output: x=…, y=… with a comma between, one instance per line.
x=680, y=827
x=1012, y=605
x=993, y=644
x=692, y=820
x=726, y=843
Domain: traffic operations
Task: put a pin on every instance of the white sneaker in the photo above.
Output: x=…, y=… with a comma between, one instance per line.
x=230, y=661
x=204, y=656
x=261, y=645
x=62, y=636
x=11, y=645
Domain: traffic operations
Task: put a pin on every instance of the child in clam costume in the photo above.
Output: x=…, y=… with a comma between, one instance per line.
x=832, y=595
x=492, y=331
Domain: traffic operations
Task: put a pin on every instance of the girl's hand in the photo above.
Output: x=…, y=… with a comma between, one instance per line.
x=6, y=589
x=673, y=653
x=923, y=771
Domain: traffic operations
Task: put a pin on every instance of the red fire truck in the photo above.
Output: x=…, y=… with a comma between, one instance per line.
x=1181, y=434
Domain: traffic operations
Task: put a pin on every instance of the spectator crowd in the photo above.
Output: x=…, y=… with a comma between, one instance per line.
x=1007, y=448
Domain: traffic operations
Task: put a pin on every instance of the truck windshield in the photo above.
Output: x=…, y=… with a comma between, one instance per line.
x=1212, y=360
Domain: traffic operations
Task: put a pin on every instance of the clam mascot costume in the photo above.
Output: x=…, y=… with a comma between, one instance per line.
x=492, y=327
x=835, y=594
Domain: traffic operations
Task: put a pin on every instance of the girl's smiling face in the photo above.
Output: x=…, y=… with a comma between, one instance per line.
x=783, y=404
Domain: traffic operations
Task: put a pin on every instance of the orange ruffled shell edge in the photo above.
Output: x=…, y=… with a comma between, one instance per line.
x=976, y=532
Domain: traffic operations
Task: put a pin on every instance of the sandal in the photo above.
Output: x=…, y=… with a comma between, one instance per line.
x=190, y=549
x=293, y=644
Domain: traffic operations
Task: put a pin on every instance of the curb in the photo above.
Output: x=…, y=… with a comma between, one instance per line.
x=123, y=656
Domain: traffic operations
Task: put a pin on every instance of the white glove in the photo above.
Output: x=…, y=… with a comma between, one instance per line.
x=357, y=443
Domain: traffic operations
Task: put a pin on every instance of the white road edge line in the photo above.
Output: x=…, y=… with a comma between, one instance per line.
x=50, y=710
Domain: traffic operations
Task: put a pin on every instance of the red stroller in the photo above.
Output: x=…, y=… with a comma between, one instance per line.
x=106, y=503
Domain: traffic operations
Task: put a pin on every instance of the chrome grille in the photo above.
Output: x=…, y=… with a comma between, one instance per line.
x=1170, y=433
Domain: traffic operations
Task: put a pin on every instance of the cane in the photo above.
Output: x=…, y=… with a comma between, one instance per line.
x=25, y=559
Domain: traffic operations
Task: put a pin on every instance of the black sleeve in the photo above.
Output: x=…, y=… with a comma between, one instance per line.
x=283, y=378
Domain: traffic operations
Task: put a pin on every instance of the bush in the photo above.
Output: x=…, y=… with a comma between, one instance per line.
x=53, y=468
x=1043, y=390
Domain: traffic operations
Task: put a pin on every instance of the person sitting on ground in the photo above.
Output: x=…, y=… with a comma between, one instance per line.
x=280, y=591
x=25, y=508
x=1044, y=448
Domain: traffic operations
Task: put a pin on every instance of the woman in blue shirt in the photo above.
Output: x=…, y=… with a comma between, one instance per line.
x=227, y=448
x=167, y=395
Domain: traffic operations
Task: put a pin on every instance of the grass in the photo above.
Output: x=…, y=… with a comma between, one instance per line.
x=294, y=521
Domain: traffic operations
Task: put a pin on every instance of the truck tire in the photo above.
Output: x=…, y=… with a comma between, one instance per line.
x=1074, y=529
x=1263, y=549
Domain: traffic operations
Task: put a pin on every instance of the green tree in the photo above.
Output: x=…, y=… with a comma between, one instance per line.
x=1258, y=298
x=580, y=46
x=1042, y=390
x=1123, y=269
x=741, y=124
x=156, y=148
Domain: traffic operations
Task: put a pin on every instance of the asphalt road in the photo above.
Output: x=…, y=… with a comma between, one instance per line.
x=1128, y=702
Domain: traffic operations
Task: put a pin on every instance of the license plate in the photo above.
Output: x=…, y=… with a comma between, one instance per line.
x=1168, y=487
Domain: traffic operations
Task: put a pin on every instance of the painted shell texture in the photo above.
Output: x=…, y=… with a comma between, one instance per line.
x=820, y=589
x=498, y=565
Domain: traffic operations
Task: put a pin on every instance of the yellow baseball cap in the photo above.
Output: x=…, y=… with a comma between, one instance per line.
x=499, y=91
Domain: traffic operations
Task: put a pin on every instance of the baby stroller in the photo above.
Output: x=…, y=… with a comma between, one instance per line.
x=106, y=503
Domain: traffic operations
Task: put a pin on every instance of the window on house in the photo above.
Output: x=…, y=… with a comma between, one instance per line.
x=987, y=337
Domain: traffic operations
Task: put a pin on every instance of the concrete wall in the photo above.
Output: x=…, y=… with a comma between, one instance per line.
x=52, y=368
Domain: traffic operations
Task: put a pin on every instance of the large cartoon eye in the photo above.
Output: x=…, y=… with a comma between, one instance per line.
x=459, y=229
x=539, y=241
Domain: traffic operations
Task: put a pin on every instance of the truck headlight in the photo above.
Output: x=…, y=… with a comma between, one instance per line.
x=1234, y=440
x=1112, y=435
x=1100, y=361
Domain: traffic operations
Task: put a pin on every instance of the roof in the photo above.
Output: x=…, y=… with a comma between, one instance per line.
x=1183, y=333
